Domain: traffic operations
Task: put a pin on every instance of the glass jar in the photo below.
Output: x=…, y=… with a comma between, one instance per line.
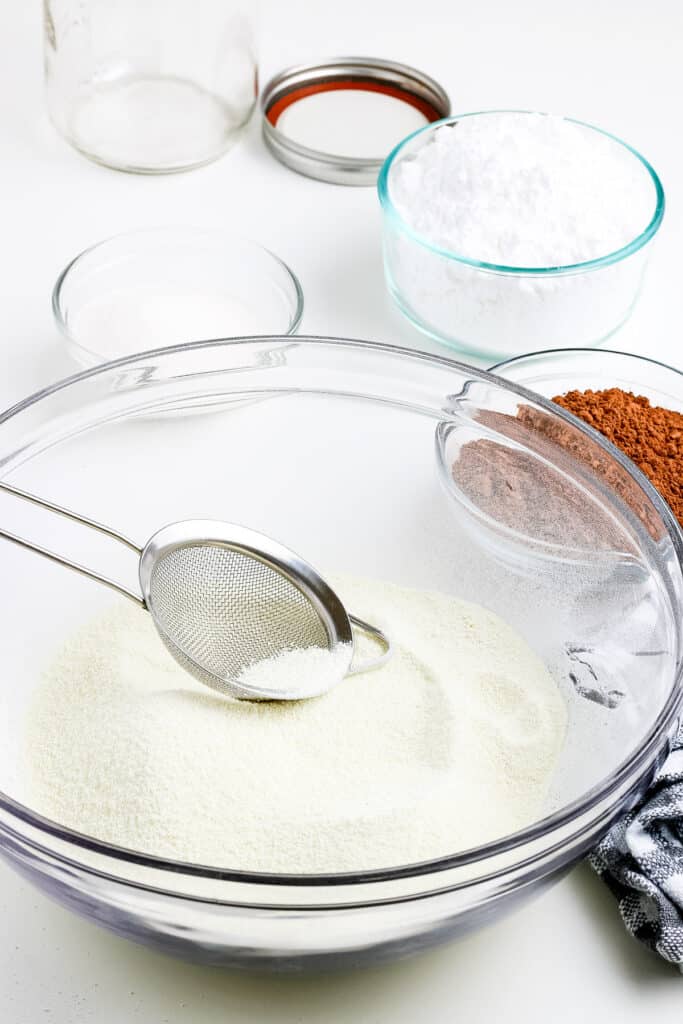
x=152, y=86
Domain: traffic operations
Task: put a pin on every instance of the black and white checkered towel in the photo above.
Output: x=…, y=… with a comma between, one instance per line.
x=641, y=860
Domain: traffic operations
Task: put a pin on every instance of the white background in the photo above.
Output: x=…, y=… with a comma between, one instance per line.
x=616, y=64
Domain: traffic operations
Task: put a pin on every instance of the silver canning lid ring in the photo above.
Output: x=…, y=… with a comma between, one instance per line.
x=392, y=79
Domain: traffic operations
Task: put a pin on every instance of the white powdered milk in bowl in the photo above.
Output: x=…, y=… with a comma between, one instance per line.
x=452, y=743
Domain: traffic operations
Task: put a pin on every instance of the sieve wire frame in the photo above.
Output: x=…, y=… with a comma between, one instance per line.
x=257, y=546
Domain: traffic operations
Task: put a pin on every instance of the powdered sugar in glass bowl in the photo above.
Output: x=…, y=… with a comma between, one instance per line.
x=509, y=230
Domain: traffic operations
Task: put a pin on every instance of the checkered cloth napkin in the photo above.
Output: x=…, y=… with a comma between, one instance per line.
x=641, y=860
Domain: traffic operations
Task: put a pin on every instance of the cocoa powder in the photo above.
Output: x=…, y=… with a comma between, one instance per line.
x=650, y=435
x=511, y=484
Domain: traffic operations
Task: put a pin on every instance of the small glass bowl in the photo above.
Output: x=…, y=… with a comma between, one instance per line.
x=556, y=371
x=518, y=440
x=157, y=287
x=493, y=310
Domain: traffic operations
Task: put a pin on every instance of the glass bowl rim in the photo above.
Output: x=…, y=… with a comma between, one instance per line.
x=608, y=259
x=541, y=353
x=625, y=774
x=94, y=357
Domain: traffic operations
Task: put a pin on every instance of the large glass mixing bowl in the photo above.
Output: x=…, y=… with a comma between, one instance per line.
x=329, y=446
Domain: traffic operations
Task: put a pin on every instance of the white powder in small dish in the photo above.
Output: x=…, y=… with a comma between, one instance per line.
x=122, y=322
x=452, y=743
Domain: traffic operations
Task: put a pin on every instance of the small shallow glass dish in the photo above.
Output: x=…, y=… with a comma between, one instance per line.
x=556, y=371
x=493, y=310
x=301, y=429
x=547, y=373
x=172, y=285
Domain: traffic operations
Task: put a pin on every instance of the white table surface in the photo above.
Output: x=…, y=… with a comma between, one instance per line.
x=618, y=65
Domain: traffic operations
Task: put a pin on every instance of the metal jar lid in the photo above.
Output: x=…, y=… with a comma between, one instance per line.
x=361, y=75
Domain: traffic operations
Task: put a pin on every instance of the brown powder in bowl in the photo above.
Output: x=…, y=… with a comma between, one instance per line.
x=530, y=489
x=650, y=435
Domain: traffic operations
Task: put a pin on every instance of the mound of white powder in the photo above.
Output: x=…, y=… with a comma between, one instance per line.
x=516, y=190
x=529, y=190
x=303, y=671
x=451, y=744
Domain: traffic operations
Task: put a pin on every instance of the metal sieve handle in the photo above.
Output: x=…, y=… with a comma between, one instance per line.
x=380, y=637
x=59, y=559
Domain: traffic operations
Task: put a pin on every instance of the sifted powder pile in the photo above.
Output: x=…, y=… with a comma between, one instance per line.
x=451, y=744
x=523, y=190
x=304, y=671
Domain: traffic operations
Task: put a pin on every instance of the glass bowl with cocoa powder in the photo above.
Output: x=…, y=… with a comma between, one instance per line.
x=556, y=494
x=633, y=401
x=535, y=489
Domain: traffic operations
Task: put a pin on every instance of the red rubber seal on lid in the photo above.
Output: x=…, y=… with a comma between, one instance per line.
x=361, y=84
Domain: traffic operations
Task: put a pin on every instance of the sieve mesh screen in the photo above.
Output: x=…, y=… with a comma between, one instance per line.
x=220, y=610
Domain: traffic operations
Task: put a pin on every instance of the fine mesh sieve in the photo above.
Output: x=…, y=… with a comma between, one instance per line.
x=197, y=590
x=224, y=598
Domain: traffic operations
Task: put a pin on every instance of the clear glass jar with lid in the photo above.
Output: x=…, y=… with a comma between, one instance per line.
x=152, y=86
